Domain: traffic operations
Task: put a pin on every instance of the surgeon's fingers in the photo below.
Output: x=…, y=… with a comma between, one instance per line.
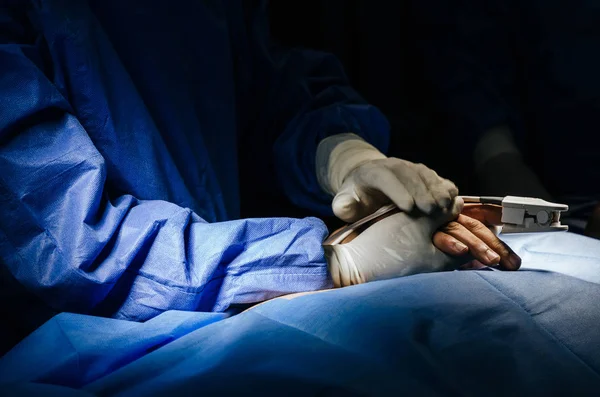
x=484, y=245
x=349, y=206
x=346, y=208
x=385, y=181
x=415, y=185
x=442, y=190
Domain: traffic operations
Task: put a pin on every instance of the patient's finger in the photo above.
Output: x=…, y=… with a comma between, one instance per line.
x=448, y=244
x=477, y=247
x=508, y=259
x=473, y=265
x=488, y=214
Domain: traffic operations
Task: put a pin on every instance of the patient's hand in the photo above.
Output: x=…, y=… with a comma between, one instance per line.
x=397, y=245
x=470, y=234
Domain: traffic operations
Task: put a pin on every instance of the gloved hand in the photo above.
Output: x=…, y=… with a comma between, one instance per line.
x=362, y=180
x=399, y=245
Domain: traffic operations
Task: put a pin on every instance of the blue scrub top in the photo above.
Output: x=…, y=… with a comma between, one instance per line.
x=121, y=126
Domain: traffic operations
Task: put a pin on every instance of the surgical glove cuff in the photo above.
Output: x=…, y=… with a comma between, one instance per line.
x=338, y=155
x=342, y=267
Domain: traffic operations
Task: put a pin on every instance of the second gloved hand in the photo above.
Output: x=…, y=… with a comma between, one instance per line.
x=362, y=180
x=399, y=245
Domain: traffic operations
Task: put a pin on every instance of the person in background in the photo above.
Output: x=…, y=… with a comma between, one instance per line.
x=125, y=128
x=518, y=84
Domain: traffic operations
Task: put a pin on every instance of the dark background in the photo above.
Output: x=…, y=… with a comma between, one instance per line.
x=537, y=60
x=374, y=41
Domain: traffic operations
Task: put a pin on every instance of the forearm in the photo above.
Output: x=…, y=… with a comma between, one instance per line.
x=64, y=239
x=82, y=244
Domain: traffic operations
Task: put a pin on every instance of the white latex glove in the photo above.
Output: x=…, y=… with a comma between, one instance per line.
x=399, y=245
x=362, y=180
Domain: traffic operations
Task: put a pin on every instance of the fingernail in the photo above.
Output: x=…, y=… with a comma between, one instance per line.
x=460, y=247
x=514, y=260
x=492, y=256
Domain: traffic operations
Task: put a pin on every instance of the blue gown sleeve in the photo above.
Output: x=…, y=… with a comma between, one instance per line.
x=307, y=98
x=80, y=250
x=468, y=57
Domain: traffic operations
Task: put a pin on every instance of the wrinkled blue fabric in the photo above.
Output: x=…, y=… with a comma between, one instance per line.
x=121, y=126
x=531, y=333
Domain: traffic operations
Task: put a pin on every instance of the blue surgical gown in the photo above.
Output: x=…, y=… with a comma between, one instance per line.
x=124, y=127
